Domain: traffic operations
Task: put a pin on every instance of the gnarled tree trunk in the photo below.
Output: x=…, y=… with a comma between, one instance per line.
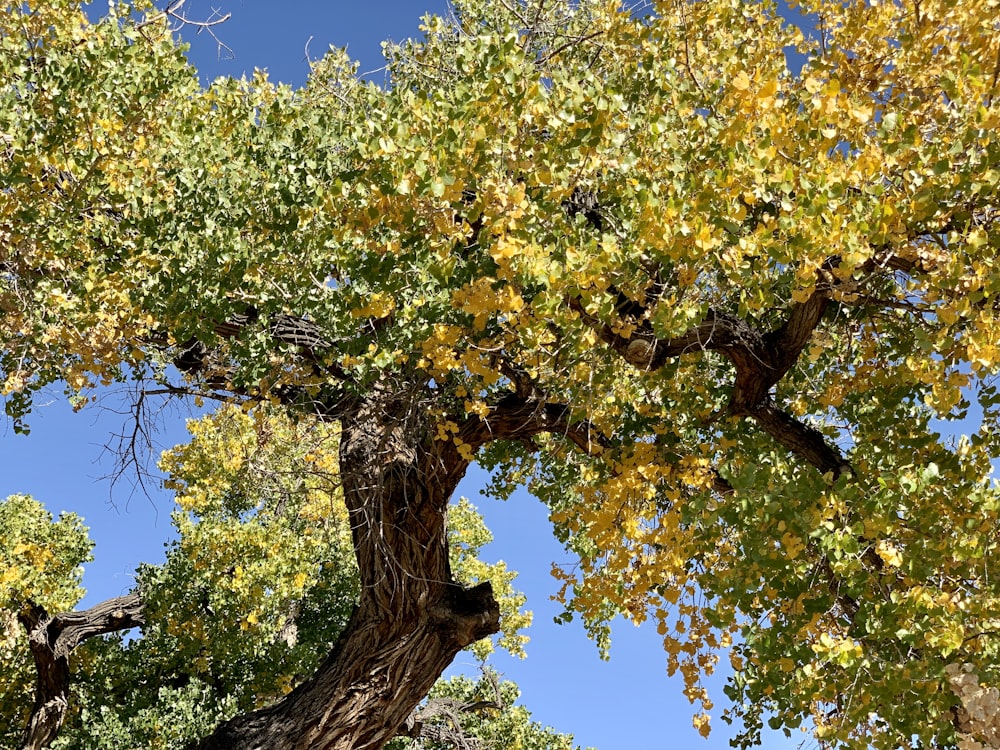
x=412, y=618
x=52, y=640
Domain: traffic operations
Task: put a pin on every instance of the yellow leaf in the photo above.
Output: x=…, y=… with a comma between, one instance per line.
x=769, y=89
x=742, y=81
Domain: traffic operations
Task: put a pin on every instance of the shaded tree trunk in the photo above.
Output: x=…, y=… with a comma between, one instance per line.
x=412, y=618
x=381, y=668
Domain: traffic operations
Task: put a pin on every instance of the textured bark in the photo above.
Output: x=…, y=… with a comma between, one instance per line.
x=52, y=640
x=412, y=618
x=382, y=667
x=440, y=720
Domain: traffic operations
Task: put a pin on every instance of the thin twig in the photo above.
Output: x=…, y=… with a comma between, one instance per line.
x=570, y=43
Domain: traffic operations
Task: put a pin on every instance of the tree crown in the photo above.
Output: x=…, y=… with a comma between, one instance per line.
x=714, y=311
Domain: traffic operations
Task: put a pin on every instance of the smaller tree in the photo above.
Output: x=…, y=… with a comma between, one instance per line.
x=40, y=560
x=477, y=715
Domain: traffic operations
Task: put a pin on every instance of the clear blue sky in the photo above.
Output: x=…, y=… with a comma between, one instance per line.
x=626, y=703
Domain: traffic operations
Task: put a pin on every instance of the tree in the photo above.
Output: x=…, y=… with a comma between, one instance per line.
x=41, y=573
x=716, y=313
x=254, y=591
x=441, y=725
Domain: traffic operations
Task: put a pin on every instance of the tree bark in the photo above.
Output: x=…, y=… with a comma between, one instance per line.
x=52, y=640
x=412, y=618
x=381, y=668
x=439, y=720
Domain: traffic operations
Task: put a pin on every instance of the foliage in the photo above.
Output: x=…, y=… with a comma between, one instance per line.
x=502, y=725
x=41, y=557
x=755, y=297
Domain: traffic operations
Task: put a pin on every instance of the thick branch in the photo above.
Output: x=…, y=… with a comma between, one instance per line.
x=760, y=359
x=522, y=418
x=439, y=720
x=304, y=336
x=787, y=341
x=52, y=640
x=643, y=350
x=801, y=439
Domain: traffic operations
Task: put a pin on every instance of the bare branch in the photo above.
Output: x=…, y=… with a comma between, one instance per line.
x=172, y=12
x=422, y=724
x=571, y=43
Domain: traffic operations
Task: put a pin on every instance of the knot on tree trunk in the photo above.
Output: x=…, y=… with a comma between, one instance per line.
x=467, y=614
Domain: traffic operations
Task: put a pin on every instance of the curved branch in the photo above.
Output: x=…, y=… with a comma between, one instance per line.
x=439, y=720
x=788, y=340
x=309, y=346
x=801, y=439
x=52, y=640
x=522, y=418
x=642, y=349
x=761, y=359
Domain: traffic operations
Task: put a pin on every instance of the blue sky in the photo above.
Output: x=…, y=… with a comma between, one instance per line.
x=626, y=703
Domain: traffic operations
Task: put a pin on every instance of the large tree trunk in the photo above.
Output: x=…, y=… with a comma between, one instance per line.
x=412, y=619
x=381, y=668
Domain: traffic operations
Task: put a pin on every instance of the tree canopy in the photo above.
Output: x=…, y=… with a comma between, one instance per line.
x=720, y=290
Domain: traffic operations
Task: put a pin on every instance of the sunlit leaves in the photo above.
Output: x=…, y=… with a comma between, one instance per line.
x=539, y=180
x=41, y=556
x=508, y=727
x=257, y=585
x=467, y=535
